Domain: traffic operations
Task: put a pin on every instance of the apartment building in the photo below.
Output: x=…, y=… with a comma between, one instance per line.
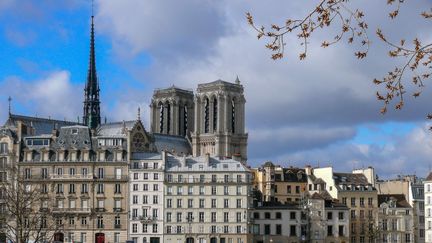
x=356, y=192
x=206, y=200
x=280, y=184
x=396, y=219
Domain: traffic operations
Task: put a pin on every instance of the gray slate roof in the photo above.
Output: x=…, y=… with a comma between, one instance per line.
x=114, y=128
x=173, y=144
x=40, y=125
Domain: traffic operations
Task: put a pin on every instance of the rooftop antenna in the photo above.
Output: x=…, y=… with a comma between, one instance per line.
x=10, y=102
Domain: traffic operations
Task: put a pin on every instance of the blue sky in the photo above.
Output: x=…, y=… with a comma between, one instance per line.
x=321, y=110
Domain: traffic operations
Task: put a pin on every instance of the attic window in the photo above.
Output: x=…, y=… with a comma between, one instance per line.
x=74, y=131
x=86, y=142
x=225, y=166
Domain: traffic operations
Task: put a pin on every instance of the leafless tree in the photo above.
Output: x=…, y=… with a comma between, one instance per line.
x=27, y=215
x=350, y=23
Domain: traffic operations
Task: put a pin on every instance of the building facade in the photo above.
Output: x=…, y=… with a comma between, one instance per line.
x=206, y=200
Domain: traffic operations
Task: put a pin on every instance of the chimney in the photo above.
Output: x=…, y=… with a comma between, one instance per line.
x=207, y=158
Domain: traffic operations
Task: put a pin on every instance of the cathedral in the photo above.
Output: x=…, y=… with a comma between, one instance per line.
x=96, y=179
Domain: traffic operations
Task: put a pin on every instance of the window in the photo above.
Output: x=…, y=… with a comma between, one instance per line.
x=344, y=200
x=267, y=229
x=179, y=217
x=134, y=228
x=278, y=229
x=341, y=216
x=145, y=199
x=135, y=176
x=4, y=148
x=117, y=188
x=226, y=216
x=293, y=230
x=117, y=222
x=168, y=217
x=144, y=229
x=353, y=214
x=267, y=215
x=329, y=230
x=362, y=202
x=239, y=218
x=190, y=190
x=154, y=228
x=226, y=203
x=341, y=230
x=201, y=216
x=100, y=173
x=239, y=190
x=239, y=203
x=213, y=217
x=190, y=203
x=100, y=224
x=179, y=203
x=256, y=215
x=169, y=203
x=214, y=190
x=145, y=187
x=155, y=187
x=179, y=190
x=71, y=188
x=201, y=190
x=213, y=203
x=370, y=201
x=155, y=176
x=278, y=215
x=59, y=188
x=155, y=199
x=292, y=215
x=100, y=188
x=297, y=189
x=353, y=201
x=226, y=190
x=84, y=220
x=329, y=215
x=201, y=203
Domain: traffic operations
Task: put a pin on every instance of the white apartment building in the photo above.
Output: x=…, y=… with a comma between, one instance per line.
x=428, y=208
x=206, y=200
x=146, y=197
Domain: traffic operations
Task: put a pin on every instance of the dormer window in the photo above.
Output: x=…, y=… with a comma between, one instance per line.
x=74, y=131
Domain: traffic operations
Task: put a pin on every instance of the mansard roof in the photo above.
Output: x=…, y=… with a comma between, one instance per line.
x=399, y=199
x=78, y=137
x=350, y=179
x=202, y=164
x=115, y=128
x=40, y=125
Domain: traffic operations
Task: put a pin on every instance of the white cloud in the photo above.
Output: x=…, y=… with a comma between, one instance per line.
x=54, y=95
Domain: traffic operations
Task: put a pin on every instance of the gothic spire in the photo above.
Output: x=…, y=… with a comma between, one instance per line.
x=91, y=92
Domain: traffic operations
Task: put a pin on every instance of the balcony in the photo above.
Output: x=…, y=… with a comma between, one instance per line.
x=206, y=181
x=117, y=226
x=71, y=177
x=100, y=209
x=146, y=219
x=71, y=210
x=117, y=209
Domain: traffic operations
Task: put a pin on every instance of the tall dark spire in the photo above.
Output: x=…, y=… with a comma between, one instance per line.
x=91, y=116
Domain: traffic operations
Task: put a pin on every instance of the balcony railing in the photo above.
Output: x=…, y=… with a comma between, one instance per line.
x=207, y=180
x=145, y=219
x=71, y=177
x=71, y=210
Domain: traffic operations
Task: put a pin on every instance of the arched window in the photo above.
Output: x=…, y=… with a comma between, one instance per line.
x=215, y=114
x=185, y=120
x=161, y=118
x=168, y=119
x=233, y=115
x=206, y=115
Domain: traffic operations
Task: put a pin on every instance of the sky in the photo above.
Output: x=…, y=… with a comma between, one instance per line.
x=321, y=111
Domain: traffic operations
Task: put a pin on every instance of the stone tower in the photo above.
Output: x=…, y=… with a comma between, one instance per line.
x=172, y=111
x=92, y=116
x=220, y=120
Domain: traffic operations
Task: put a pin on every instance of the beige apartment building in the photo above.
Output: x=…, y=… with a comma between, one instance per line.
x=280, y=184
x=85, y=179
x=355, y=191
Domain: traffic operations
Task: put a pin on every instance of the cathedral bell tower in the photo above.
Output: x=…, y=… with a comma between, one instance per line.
x=92, y=116
x=220, y=120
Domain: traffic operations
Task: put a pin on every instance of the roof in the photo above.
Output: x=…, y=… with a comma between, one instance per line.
x=400, y=200
x=429, y=177
x=114, y=128
x=268, y=164
x=323, y=195
x=278, y=205
x=173, y=144
x=145, y=156
x=292, y=174
x=203, y=164
x=350, y=179
x=40, y=125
